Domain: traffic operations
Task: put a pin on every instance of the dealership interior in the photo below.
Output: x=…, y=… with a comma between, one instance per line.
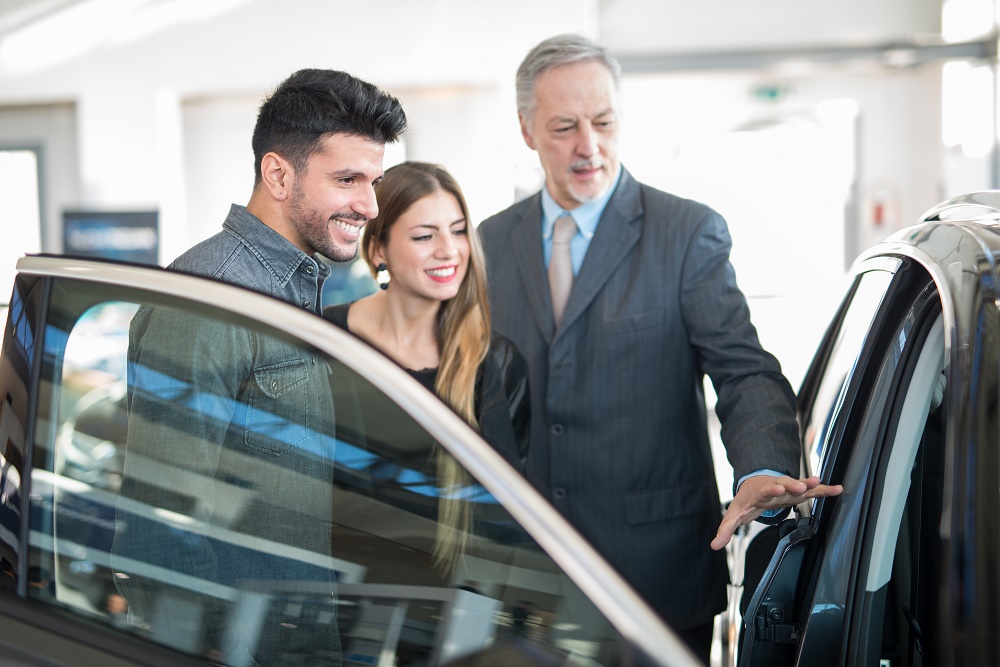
x=816, y=129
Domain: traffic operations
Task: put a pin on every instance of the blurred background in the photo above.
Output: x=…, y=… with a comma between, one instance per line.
x=816, y=128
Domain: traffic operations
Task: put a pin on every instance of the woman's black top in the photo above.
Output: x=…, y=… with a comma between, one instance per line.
x=502, y=402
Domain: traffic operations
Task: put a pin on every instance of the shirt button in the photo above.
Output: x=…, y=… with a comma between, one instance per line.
x=274, y=385
x=556, y=429
x=307, y=304
x=559, y=493
x=310, y=268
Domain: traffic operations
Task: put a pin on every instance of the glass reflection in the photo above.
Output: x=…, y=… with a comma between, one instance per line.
x=308, y=533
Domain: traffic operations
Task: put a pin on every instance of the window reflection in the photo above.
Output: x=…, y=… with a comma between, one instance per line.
x=309, y=538
x=867, y=296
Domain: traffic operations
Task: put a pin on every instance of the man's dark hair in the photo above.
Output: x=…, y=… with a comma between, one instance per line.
x=313, y=103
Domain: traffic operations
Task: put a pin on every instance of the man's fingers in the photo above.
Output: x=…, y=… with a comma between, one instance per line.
x=772, y=493
x=736, y=516
x=722, y=537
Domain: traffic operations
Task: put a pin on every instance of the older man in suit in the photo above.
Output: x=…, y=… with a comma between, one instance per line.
x=622, y=297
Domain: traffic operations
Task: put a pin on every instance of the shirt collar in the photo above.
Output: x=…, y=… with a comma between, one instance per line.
x=276, y=252
x=586, y=215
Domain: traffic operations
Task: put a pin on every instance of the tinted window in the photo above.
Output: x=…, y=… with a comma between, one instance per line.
x=207, y=483
x=859, y=313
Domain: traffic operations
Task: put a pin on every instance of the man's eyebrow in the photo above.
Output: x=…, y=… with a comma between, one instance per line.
x=352, y=173
x=561, y=119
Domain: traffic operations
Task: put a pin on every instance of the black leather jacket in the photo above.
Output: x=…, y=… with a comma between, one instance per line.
x=503, y=401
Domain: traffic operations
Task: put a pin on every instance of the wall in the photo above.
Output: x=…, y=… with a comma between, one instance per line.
x=153, y=82
x=142, y=73
x=50, y=130
x=696, y=26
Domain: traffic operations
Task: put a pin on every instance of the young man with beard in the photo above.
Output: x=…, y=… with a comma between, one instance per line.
x=220, y=413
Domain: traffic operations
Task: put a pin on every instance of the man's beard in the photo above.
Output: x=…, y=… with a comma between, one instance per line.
x=314, y=227
x=581, y=197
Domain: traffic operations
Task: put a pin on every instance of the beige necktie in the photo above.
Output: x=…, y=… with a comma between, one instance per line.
x=561, y=264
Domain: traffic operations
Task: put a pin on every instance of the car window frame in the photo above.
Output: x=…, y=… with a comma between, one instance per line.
x=926, y=313
x=817, y=370
x=802, y=550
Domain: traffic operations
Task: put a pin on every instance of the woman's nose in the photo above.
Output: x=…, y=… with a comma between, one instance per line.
x=446, y=246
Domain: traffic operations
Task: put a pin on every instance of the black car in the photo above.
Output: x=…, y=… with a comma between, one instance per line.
x=899, y=406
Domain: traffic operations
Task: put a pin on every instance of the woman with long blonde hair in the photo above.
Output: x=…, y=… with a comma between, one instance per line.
x=432, y=317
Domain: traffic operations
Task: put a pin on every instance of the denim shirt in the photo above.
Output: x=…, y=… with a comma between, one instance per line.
x=220, y=410
x=249, y=253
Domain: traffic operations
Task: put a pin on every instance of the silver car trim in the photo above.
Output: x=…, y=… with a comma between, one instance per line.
x=938, y=275
x=983, y=205
x=631, y=616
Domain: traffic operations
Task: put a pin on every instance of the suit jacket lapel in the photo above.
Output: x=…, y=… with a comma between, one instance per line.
x=526, y=242
x=616, y=233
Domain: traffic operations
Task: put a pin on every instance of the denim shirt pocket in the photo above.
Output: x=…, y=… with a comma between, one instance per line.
x=278, y=409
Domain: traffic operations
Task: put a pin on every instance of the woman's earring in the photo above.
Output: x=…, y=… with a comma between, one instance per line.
x=382, y=275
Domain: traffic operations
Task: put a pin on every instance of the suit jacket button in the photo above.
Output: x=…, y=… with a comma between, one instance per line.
x=556, y=429
x=559, y=493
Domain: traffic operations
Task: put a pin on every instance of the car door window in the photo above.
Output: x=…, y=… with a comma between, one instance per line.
x=900, y=560
x=858, y=314
x=863, y=371
x=205, y=482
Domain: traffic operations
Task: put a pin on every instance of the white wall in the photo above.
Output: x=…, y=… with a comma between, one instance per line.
x=698, y=26
x=49, y=129
x=141, y=78
x=165, y=91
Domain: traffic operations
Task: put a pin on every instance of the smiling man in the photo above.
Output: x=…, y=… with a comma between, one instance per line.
x=255, y=414
x=622, y=298
x=318, y=147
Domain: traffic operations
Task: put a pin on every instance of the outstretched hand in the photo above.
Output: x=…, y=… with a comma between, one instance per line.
x=764, y=492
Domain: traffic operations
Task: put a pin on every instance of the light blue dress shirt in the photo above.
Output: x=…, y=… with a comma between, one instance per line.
x=586, y=217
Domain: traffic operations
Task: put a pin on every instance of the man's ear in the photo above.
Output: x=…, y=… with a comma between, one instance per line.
x=277, y=175
x=525, y=133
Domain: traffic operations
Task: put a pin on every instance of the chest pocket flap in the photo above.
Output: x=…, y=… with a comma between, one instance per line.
x=278, y=407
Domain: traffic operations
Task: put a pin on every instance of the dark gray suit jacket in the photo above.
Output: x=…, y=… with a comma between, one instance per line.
x=619, y=440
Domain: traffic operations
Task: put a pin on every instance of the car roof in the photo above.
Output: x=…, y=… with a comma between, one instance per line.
x=975, y=215
x=957, y=242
